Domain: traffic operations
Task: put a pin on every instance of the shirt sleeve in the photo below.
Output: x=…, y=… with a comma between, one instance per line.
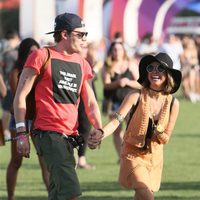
x=36, y=59
x=87, y=70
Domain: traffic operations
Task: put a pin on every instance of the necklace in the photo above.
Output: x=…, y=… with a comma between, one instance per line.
x=155, y=90
x=153, y=114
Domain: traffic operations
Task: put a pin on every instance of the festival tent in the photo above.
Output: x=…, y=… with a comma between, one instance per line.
x=103, y=18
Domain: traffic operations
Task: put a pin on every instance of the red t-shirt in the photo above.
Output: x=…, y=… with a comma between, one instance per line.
x=57, y=93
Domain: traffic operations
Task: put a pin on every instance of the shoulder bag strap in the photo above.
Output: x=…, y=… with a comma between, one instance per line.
x=172, y=102
x=44, y=66
x=133, y=109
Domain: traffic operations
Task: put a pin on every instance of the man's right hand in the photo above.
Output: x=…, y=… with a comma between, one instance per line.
x=95, y=138
x=23, y=145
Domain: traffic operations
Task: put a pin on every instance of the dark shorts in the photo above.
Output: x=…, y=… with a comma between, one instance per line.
x=7, y=101
x=115, y=106
x=58, y=155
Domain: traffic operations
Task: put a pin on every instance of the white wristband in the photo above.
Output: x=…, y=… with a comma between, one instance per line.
x=20, y=124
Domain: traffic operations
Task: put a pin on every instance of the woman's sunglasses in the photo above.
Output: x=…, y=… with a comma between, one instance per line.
x=159, y=68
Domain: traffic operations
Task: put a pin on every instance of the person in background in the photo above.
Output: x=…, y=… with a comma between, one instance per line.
x=84, y=126
x=26, y=47
x=118, y=37
x=3, y=89
x=153, y=112
x=95, y=61
x=3, y=92
x=9, y=59
x=190, y=70
x=66, y=79
x=172, y=45
x=89, y=52
x=119, y=78
x=148, y=45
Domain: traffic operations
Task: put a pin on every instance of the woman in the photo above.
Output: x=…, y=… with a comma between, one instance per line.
x=190, y=70
x=153, y=113
x=3, y=89
x=27, y=46
x=3, y=92
x=119, y=77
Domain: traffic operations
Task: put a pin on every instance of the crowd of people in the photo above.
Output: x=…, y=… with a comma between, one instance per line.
x=138, y=84
x=185, y=53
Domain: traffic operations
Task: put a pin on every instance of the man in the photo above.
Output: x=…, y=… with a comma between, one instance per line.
x=57, y=97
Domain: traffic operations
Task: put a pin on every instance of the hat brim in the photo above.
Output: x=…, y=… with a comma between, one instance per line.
x=51, y=32
x=146, y=60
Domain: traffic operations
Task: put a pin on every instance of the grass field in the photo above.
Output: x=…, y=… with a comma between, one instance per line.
x=181, y=175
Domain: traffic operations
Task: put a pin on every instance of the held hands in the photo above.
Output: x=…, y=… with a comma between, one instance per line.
x=23, y=145
x=95, y=138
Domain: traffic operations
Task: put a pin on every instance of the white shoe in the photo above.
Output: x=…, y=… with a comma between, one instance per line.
x=192, y=97
x=7, y=135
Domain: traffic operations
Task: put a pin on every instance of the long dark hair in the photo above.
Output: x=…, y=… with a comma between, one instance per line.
x=109, y=57
x=24, y=51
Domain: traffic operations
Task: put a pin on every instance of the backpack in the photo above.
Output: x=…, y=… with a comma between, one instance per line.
x=30, y=99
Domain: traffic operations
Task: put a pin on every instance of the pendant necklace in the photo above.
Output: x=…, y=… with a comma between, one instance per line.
x=153, y=114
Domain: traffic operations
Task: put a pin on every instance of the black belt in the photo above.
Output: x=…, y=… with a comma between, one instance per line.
x=75, y=140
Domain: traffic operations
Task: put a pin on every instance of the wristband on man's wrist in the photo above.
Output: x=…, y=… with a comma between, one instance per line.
x=20, y=124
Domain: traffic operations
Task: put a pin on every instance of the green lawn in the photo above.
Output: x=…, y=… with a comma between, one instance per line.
x=181, y=175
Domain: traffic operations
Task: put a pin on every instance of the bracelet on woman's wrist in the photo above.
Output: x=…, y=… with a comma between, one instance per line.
x=118, y=117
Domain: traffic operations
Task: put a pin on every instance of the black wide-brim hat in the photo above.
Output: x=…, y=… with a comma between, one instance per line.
x=164, y=60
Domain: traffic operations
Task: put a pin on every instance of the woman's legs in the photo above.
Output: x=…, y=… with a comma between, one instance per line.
x=143, y=194
x=142, y=182
x=12, y=170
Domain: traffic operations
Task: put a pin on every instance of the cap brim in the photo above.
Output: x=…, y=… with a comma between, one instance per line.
x=50, y=32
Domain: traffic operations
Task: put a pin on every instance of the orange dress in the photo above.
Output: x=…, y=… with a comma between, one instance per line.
x=141, y=167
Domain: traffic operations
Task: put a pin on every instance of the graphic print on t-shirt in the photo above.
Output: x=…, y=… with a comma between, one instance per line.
x=66, y=78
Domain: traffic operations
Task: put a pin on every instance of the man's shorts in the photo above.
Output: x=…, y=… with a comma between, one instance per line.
x=58, y=155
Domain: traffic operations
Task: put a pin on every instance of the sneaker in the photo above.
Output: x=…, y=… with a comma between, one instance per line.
x=7, y=135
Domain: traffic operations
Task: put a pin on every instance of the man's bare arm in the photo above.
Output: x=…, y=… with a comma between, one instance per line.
x=91, y=106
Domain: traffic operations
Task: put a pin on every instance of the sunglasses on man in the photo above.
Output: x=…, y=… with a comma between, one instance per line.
x=159, y=68
x=79, y=34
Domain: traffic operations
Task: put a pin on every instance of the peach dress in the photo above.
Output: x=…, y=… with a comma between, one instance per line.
x=142, y=167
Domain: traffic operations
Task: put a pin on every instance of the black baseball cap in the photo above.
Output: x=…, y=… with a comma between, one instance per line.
x=67, y=21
